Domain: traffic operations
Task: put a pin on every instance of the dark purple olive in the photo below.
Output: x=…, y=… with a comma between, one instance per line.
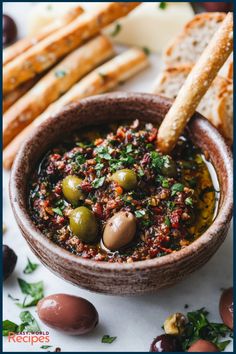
x=217, y=6
x=227, y=307
x=9, y=261
x=70, y=314
x=166, y=343
x=9, y=30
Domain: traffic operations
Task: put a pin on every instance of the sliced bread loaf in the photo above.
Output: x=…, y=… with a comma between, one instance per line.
x=216, y=105
x=187, y=47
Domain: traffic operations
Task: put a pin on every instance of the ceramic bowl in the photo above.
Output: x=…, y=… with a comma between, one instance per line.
x=138, y=277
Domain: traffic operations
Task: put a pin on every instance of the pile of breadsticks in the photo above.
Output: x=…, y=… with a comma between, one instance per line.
x=66, y=61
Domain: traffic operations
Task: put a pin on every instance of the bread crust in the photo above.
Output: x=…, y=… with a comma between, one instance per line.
x=213, y=105
x=196, y=85
x=47, y=52
x=102, y=79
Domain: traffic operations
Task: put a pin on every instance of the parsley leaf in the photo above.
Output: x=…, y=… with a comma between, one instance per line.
x=34, y=290
x=189, y=201
x=57, y=211
x=177, y=187
x=167, y=221
x=29, y=322
x=139, y=213
x=98, y=182
x=199, y=327
x=162, y=5
x=60, y=73
x=116, y=30
x=107, y=339
x=31, y=267
x=45, y=346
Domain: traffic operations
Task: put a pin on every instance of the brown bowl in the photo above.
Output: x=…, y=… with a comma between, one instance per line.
x=138, y=277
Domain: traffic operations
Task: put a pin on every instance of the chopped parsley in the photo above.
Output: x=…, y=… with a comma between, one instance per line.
x=140, y=213
x=28, y=324
x=199, y=327
x=57, y=211
x=108, y=339
x=163, y=5
x=177, y=187
x=98, y=182
x=33, y=291
x=30, y=267
x=189, y=201
x=146, y=50
x=116, y=30
x=60, y=73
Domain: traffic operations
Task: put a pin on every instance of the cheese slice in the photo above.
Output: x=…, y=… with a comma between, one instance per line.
x=151, y=26
x=43, y=13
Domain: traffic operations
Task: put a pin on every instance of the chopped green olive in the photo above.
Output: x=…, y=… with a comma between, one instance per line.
x=83, y=224
x=169, y=169
x=71, y=189
x=125, y=178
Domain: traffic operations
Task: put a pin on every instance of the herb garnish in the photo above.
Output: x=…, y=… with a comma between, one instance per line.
x=107, y=339
x=140, y=213
x=12, y=298
x=28, y=324
x=162, y=5
x=98, y=182
x=33, y=291
x=30, y=267
x=116, y=30
x=199, y=327
x=57, y=211
x=177, y=187
x=45, y=346
x=189, y=201
x=146, y=50
x=60, y=73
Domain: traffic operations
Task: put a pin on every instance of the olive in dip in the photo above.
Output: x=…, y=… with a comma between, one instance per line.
x=110, y=194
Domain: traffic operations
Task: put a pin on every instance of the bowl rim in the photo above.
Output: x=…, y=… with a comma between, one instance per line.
x=25, y=222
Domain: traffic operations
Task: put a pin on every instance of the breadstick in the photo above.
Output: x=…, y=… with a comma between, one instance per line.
x=101, y=80
x=47, y=52
x=23, y=44
x=196, y=85
x=13, y=96
x=54, y=84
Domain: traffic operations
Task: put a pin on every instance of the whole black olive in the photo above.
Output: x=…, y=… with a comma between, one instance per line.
x=9, y=261
x=9, y=30
x=166, y=343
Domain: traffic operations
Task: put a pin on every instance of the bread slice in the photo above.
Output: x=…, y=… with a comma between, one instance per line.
x=187, y=47
x=216, y=105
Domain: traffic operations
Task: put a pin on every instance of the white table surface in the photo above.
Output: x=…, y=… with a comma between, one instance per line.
x=134, y=320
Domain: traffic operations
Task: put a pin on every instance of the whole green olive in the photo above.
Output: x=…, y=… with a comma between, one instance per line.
x=83, y=224
x=126, y=178
x=71, y=189
x=169, y=168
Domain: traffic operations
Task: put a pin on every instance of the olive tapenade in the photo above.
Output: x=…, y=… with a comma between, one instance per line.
x=110, y=195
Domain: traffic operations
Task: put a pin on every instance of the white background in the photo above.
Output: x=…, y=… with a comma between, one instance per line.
x=134, y=320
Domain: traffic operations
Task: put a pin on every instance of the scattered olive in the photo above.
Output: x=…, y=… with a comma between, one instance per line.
x=202, y=345
x=71, y=189
x=9, y=261
x=170, y=168
x=126, y=178
x=9, y=30
x=119, y=231
x=217, y=6
x=83, y=224
x=166, y=343
x=227, y=307
x=71, y=314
